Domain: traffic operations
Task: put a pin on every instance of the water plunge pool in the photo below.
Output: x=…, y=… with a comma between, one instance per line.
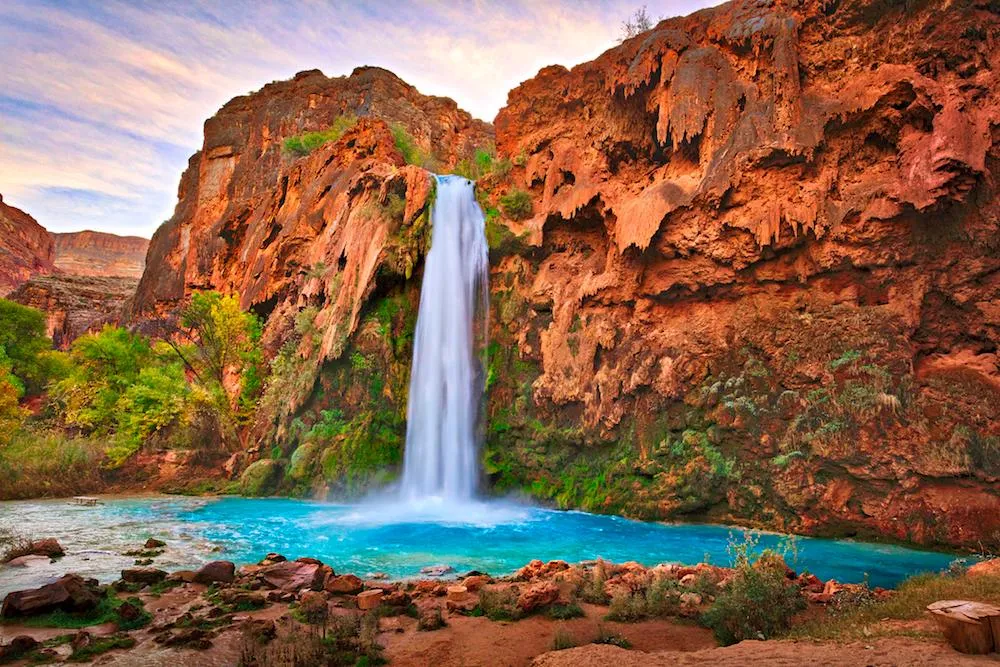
x=399, y=540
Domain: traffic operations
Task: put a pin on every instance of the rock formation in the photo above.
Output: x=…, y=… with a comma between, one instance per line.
x=26, y=249
x=764, y=260
x=759, y=283
x=73, y=304
x=90, y=253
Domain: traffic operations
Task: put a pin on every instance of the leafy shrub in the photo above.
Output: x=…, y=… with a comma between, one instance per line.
x=25, y=350
x=627, y=607
x=483, y=163
x=499, y=604
x=564, y=612
x=759, y=601
x=407, y=145
x=516, y=205
x=592, y=590
x=304, y=144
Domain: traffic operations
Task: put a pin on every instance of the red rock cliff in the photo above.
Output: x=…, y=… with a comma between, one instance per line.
x=765, y=256
x=90, y=253
x=313, y=233
x=26, y=249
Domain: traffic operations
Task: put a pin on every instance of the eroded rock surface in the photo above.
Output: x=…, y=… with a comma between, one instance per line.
x=99, y=254
x=26, y=249
x=764, y=262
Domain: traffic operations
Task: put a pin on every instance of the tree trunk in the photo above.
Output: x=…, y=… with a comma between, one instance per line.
x=970, y=627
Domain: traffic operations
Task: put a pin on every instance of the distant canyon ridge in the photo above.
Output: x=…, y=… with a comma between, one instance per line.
x=745, y=268
x=76, y=278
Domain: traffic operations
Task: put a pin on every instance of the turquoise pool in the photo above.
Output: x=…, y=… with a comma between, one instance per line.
x=399, y=540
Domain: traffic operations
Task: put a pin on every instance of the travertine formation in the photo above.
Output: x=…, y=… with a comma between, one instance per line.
x=759, y=284
x=768, y=232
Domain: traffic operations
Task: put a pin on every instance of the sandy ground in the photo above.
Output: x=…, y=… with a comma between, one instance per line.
x=894, y=652
x=479, y=642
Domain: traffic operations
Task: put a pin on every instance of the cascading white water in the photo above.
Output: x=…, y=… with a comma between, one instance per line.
x=446, y=378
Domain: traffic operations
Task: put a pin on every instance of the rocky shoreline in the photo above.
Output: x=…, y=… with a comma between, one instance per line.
x=264, y=612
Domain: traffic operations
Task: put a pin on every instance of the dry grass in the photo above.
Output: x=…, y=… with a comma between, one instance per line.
x=907, y=604
x=34, y=465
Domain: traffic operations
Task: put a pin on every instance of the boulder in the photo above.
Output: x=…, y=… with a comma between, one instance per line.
x=18, y=647
x=460, y=599
x=536, y=569
x=47, y=547
x=475, y=582
x=986, y=568
x=396, y=598
x=345, y=584
x=429, y=615
x=70, y=593
x=30, y=560
x=272, y=558
x=242, y=599
x=185, y=576
x=143, y=575
x=218, y=571
x=437, y=570
x=128, y=612
x=369, y=599
x=81, y=640
x=537, y=596
x=262, y=630
x=292, y=576
x=153, y=543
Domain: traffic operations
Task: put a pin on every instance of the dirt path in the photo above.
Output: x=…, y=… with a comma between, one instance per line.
x=888, y=652
x=475, y=642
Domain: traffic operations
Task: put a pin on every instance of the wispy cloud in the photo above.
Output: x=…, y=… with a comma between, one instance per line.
x=101, y=103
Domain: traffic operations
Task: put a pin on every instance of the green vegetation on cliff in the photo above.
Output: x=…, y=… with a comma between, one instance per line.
x=306, y=143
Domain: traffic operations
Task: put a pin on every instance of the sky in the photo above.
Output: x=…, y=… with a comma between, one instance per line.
x=102, y=102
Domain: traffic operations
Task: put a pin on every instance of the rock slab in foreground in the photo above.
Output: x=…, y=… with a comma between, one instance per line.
x=70, y=593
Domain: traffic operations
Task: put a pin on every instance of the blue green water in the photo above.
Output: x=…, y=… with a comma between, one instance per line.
x=398, y=540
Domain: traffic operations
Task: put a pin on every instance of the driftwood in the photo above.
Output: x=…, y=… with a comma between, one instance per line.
x=970, y=627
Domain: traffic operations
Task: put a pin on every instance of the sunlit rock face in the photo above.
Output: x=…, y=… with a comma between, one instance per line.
x=765, y=255
x=319, y=233
x=26, y=249
x=758, y=285
x=90, y=253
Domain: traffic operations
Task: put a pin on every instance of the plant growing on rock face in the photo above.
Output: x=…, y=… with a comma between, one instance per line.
x=306, y=143
x=516, y=205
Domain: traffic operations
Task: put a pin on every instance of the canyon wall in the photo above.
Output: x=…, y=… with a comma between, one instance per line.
x=99, y=254
x=26, y=249
x=759, y=283
x=74, y=304
x=763, y=272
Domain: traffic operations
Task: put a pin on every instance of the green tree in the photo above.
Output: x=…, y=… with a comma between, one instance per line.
x=22, y=336
x=103, y=366
x=11, y=389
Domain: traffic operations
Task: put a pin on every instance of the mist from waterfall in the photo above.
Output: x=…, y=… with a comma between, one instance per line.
x=447, y=374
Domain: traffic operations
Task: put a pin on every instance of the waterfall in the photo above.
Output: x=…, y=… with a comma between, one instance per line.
x=446, y=376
